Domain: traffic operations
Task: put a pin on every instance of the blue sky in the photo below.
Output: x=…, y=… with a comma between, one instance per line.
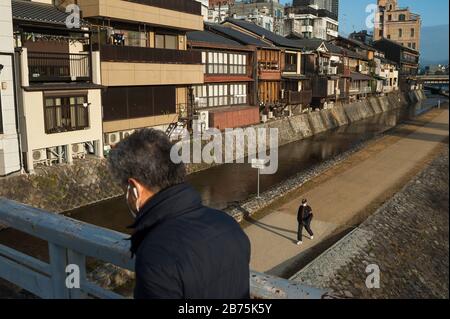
x=353, y=12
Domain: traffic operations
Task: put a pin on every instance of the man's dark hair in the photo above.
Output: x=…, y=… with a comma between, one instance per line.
x=145, y=156
x=304, y=201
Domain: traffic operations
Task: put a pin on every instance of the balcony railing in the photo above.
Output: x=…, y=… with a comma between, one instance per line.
x=58, y=67
x=302, y=97
x=70, y=242
x=186, y=6
x=115, y=53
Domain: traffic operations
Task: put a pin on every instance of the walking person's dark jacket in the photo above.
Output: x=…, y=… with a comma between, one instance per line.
x=304, y=212
x=185, y=250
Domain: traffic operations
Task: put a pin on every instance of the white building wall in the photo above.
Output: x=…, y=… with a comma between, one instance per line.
x=9, y=145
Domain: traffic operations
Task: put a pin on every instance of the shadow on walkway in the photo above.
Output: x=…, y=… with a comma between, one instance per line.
x=266, y=227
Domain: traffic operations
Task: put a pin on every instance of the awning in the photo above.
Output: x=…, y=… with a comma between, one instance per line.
x=356, y=76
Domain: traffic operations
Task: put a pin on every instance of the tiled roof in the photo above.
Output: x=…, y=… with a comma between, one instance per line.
x=260, y=31
x=38, y=12
x=211, y=37
x=236, y=35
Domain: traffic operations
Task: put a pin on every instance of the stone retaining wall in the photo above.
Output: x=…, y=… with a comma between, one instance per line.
x=62, y=188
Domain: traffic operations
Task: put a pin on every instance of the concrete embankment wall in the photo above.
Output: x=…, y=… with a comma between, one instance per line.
x=62, y=188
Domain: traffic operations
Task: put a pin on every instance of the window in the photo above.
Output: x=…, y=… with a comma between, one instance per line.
x=414, y=45
x=413, y=32
x=380, y=33
x=166, y=41
x=132, y=102
x=400, y=33
x=390, y=17
x=65, y=113
x=389, y=36
x=401, y=17
x=225, y=63
x=217, y=95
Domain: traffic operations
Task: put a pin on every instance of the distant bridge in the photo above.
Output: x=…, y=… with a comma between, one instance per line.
x=433, y=79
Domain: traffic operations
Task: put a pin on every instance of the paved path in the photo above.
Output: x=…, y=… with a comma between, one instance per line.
x=367, y=178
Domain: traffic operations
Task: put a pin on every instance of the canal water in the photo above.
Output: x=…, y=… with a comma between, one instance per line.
x=226, y=184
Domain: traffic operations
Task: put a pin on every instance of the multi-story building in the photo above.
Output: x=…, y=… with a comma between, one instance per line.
x=145, y=65
x=59, y=96
x=217, y=14
x=268, y=14
x=311, y=22
x=406, y=58
x=386, y=72
x=205, y=8
x=267, y=65
x=329, y=5
x=9, y=141
x=228, y=97
x=295, y=85
x=362, y=36
x=397, y=24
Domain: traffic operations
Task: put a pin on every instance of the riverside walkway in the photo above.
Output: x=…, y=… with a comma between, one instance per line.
x=345, y=195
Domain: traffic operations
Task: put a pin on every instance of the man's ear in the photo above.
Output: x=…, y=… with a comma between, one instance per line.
x=136, y=186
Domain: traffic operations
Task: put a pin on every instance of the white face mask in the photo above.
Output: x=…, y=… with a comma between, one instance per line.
x=305, y=204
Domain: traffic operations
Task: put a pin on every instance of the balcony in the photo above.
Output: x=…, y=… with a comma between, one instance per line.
x=179, y=14
x=58, y=67
x=302, y=97
x=114, y=53
x=191, y=7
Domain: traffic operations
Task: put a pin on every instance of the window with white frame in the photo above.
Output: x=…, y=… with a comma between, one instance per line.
x=216, y=95
x=224, y=63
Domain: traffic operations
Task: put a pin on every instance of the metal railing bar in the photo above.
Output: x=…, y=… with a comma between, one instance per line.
x=25, y=260
x=90, y=240
x=25, y=278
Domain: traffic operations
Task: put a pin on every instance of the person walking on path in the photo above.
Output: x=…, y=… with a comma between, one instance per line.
x=304, y=218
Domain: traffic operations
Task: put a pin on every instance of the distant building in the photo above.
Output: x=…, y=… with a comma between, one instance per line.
x=205, y=7
x=436, y=69
x=217, y=14
x=218, y=3
x=362, y=36
x=406, y=58
x=397, y=24
x=329, y=5
x=311, y=22
x=268, y=14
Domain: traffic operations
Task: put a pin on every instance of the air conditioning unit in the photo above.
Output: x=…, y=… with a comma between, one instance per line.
x=112, y=138
x=78, y=151
x=40, y=156
x=125, y=134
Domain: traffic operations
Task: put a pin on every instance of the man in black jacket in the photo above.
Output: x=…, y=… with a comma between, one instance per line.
x=183, y=249
x=304, y=218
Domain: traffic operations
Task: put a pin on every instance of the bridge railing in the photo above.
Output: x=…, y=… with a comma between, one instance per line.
x=70, y=242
